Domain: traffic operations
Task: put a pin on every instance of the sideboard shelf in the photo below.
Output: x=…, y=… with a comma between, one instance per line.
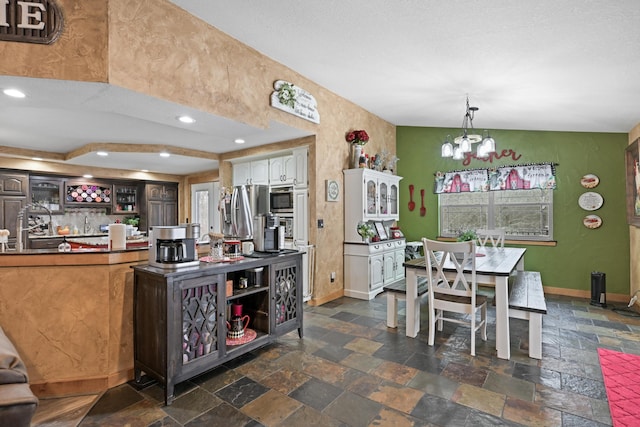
x=180, y=317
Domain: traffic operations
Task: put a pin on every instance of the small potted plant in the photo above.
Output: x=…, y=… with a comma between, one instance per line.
x=366, y=231
x=465, y=236
x=132, y=220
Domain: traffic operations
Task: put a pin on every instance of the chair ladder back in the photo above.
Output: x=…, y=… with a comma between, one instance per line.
x=438, y=254
x=495, y=237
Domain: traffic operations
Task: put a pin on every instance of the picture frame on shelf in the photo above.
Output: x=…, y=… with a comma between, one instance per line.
x=633, y=183
x=382, y=233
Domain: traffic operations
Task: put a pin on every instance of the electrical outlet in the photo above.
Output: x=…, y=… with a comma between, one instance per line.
x=333, y=276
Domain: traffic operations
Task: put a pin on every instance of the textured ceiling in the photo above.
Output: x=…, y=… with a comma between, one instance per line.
x=538, y=65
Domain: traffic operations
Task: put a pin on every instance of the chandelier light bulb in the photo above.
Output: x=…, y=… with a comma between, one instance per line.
x=465, y=144
x=457, y=154
x=447, y=147
x=482, y=152
x=489, y=145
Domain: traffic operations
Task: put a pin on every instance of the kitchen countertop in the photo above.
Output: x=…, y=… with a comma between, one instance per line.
x=243, y=263
x=68, y=236
x=104, y=240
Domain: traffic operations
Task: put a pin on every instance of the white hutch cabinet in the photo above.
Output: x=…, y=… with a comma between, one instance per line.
x=370, y=267
x=370, y=196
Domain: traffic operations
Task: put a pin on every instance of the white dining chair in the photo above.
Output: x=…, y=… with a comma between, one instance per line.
x=495, y=237
x=456, y=294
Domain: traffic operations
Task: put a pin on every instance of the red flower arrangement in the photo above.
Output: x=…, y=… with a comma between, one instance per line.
x=359, y=137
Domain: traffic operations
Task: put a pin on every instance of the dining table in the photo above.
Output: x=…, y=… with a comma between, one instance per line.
x=493, y=267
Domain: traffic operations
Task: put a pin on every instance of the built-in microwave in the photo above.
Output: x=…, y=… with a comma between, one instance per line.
x=281, y=200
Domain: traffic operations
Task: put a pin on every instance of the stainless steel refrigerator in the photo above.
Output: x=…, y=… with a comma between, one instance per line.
x=240, y=207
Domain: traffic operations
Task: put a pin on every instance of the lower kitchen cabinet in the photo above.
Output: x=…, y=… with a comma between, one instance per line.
x=13, y=197
x=182, y=318
x=10, y=207
x=45, y=243
x=368, y=267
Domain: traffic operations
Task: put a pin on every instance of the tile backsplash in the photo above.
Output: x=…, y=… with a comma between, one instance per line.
x=84, y=220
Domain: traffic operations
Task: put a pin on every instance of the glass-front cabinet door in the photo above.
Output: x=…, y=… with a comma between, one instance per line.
x=371, y=197
x=392, y=201
x=125, y=199
x=47, y=192
x=384, y=198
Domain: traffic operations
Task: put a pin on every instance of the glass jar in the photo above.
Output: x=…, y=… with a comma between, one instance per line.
x=216, y=250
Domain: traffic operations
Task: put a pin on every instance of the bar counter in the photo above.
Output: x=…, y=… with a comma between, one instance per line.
x=70, y=315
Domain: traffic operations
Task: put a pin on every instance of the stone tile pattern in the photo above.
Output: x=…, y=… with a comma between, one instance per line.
x=351, y=370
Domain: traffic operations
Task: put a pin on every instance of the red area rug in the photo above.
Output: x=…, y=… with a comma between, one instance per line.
x=621, y=374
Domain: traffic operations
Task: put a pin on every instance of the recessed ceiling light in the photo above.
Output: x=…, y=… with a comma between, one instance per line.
x=164, y=154
x=239, y=141
x=86, y=175
x=37, y=159
x=102, y=153
x=15, y=93
x=186, y=119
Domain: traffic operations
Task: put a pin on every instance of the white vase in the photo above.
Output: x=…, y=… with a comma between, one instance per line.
x=357, y=152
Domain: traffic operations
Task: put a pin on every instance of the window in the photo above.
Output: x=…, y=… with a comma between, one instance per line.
x=524, y=214
x=204, y=204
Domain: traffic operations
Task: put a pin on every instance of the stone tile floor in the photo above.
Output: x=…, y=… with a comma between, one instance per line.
x=351, y=370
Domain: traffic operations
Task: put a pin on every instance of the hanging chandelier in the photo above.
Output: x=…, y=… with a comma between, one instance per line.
x=464, y=142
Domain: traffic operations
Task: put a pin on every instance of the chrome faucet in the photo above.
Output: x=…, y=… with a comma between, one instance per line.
x=20, y=224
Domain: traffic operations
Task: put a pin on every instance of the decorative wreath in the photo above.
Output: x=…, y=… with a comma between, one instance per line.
x=287, y=95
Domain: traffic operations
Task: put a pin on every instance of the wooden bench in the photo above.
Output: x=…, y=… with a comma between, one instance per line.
x=396, y=292
x=526, y=301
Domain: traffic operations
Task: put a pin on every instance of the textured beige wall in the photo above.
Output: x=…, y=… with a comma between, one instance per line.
x=634, y=237
x=80, y=53
x=185, y=60
x=154, y=47
x=73, y=322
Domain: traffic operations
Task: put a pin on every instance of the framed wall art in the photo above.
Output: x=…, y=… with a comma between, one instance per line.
x=333, y=190
x=633, y=184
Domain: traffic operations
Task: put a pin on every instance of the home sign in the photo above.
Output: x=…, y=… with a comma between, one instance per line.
x=294, y=100
x=37, y=21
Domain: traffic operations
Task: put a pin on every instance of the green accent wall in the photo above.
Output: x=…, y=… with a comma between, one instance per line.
x=579, y=250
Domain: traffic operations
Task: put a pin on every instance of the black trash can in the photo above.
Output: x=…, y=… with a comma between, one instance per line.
x=598, y=289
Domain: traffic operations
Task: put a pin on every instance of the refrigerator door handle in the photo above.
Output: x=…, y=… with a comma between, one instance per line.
x=234, y=212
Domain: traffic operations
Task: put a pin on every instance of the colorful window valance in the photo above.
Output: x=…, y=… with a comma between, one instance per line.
x=518, y=177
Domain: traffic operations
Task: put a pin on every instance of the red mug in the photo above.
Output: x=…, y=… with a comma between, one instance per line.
x=236, y=310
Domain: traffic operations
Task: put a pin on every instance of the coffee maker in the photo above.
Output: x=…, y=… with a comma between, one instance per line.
x=268, y=234
x=170, y=248
x=192, y=236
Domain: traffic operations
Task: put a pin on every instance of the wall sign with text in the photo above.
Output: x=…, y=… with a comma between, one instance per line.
x=36, y=21
x=294, y=100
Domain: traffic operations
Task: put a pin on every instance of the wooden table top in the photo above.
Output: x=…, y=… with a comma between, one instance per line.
x=489, y=261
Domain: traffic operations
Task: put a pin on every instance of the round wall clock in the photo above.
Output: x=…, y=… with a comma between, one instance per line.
x=590, y=201
x=333, y=190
